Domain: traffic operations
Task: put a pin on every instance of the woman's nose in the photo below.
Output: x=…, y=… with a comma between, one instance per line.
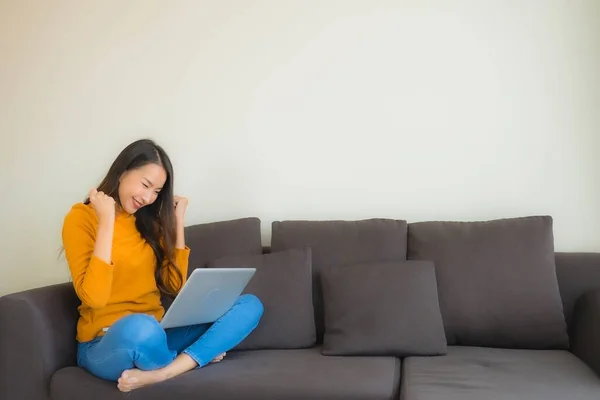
x=146, y=198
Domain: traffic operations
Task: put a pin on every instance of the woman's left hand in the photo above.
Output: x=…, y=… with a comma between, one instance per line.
x=180, y=206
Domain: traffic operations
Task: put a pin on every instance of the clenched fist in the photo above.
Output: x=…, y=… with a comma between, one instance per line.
x=103, y=204
x=180, y=206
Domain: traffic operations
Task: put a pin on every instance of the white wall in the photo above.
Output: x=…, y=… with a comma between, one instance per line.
x=302, y=109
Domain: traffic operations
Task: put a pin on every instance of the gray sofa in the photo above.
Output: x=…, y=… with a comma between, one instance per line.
x=370, y=309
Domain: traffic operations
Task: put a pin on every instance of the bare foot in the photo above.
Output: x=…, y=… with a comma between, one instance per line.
x=134, y=379
x=218, y=358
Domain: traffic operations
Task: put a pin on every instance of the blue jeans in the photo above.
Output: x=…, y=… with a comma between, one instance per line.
x=138, y=341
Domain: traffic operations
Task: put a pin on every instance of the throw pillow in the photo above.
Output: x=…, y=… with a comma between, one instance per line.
x=283, y=283
x=384, y=309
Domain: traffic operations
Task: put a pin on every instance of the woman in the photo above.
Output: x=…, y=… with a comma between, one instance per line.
x=125, y=248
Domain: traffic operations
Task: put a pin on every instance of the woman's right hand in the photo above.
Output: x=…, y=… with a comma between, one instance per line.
x=103, y=204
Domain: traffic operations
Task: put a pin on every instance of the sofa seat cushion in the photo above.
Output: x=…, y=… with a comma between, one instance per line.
x=298, y=374
x=476, y=373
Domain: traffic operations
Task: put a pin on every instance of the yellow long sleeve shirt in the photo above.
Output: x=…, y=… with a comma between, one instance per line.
x=127, y=285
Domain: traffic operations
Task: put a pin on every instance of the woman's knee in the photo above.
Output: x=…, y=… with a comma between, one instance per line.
x=251, y=304
x=139, y=330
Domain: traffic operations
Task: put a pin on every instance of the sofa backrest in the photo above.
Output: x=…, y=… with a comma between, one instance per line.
x=576, y=273
x=346, y=242
x=336, y=243
x=209, y=241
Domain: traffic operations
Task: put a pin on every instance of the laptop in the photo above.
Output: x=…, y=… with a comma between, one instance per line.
x=206, y=296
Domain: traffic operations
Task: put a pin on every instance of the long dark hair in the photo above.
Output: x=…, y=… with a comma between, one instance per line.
x=156, y=221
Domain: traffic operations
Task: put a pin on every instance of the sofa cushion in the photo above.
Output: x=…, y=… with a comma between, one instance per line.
x=475, y=373
x=238, y=237
x=496, y=280
x=283, y=283
x=382, y=309
x=254, y=375
x=339, y=243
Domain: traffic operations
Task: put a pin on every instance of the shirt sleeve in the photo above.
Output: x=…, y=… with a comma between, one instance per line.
x=92, y=277
x=182, y=257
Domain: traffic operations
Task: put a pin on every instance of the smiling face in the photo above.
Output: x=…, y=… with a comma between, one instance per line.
x=141, y=186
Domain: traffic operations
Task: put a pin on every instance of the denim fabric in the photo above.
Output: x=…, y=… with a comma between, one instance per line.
x=138, y=341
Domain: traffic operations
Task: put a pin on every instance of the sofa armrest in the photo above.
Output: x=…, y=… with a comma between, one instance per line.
x=585, y=340
x=37, y=338
x=577, y=273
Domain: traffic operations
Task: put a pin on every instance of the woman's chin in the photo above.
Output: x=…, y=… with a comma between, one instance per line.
x=129, y=209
